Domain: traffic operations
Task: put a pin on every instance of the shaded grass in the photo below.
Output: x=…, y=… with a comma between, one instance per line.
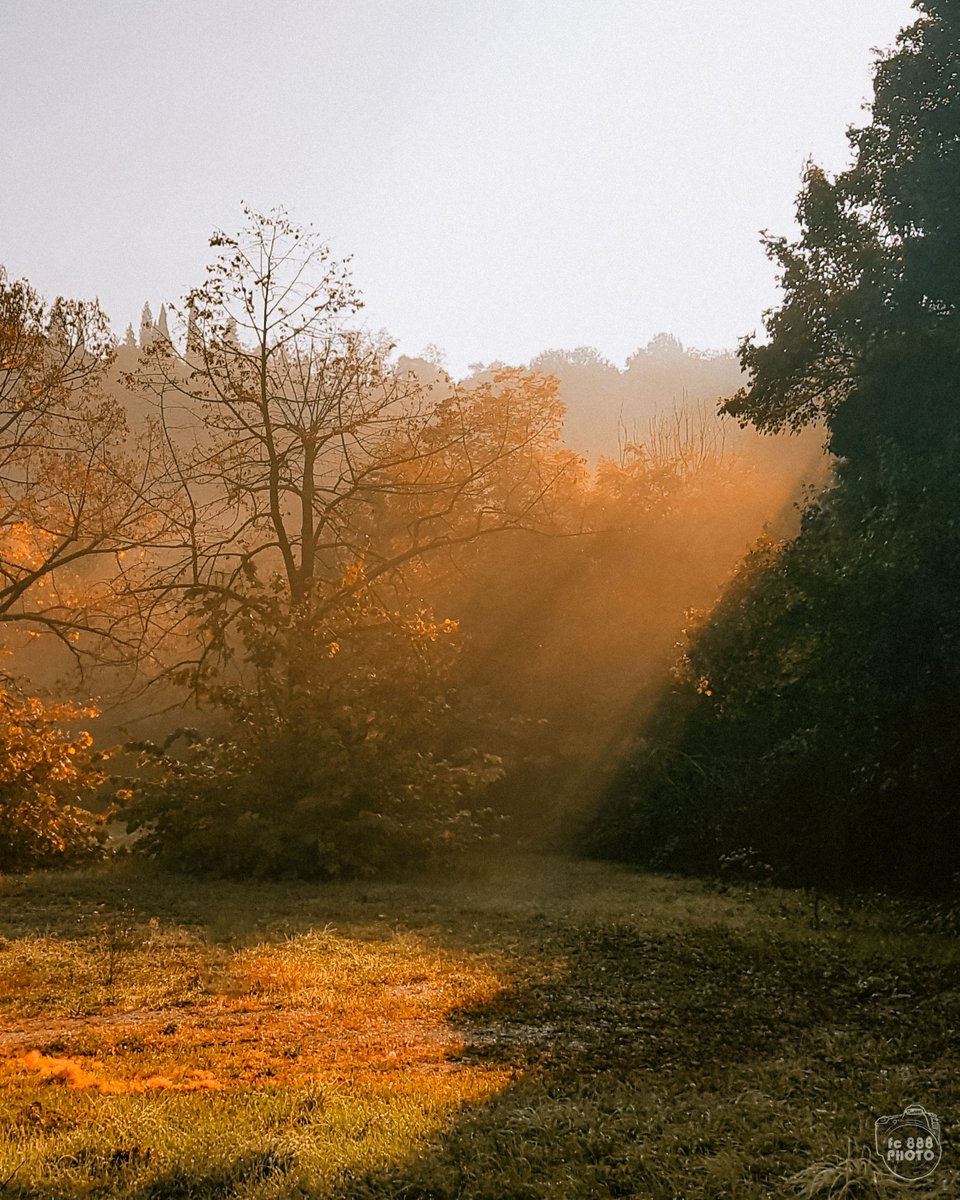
x=543, y=1028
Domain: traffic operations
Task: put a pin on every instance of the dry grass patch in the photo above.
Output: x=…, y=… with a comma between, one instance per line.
x=294, y=1058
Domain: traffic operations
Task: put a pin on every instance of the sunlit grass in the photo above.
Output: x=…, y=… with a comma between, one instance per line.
x=142, y=1052
x=64, y=1142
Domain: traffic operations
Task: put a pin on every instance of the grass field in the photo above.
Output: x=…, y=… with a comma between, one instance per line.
x=536, y=1028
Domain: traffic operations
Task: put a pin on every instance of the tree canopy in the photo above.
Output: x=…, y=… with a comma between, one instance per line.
x=76, y=491
x=872, y=285
x=314, y=484
x=811, y=730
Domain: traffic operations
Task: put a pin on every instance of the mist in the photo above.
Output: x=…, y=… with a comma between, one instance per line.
x=479, y=551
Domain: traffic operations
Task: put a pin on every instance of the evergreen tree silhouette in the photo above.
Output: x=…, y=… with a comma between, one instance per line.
x=146, y=326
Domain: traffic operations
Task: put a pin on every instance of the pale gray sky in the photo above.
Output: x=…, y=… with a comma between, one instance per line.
x=509, y=175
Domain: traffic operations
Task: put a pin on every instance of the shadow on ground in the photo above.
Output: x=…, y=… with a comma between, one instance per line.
x=709, y=1063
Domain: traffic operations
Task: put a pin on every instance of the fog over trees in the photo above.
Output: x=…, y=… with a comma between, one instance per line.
x=347, y=612
x=354, y=612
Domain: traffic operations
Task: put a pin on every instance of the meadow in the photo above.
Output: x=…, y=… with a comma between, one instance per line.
x=536, y=1027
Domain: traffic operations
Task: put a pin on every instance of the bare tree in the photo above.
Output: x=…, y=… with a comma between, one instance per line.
x=310, y=472
x=77, y=505
x=316, y=487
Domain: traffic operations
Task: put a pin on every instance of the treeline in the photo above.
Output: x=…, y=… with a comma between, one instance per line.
x=400, y=614
x=393, y=613
x=811, y=733
x=607, y=404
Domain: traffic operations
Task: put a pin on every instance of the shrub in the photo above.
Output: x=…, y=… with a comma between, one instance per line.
x=44, y=774
x=331, y=809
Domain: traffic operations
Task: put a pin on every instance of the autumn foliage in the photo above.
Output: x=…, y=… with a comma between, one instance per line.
x=396, y=607
x=47, y=776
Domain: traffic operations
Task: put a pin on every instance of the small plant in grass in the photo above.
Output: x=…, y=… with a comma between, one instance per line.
x=744, y=863
x=854, y=1176
x=115, y=935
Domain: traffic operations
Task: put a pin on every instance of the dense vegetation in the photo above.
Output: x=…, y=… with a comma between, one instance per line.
x=811, y=733
x=365, y=615
x=380, y=609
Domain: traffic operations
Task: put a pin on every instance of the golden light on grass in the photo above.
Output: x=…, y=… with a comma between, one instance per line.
x=78, y=1075
x=367, y=1022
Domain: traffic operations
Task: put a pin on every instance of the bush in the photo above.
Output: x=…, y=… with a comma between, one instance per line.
x=352, y=768
x=331, y=809
x=44, y=772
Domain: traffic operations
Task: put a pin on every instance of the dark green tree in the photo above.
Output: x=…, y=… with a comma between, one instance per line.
x=812, y=731
x=866, y=338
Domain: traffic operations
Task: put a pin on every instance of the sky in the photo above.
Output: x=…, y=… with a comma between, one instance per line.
x=509, y=176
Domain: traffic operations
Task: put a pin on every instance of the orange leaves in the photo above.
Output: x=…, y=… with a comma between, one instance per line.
x=71, y=486
x=353, y=574
x=42, y=771
x=425, y=628
x=74, y=1074
x=25, y=544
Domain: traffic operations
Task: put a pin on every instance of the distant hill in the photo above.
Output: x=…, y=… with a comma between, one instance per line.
x=606, y=404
